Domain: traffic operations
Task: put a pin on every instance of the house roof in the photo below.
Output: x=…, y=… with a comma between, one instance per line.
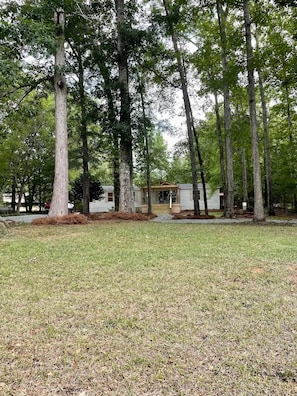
x=187, y=186
x=163, y=187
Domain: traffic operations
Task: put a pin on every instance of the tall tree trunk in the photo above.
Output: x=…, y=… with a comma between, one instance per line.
x=221, y=149
x=244, y=177
x=200, y=160
x=59, y=203
x=188, y=112
x=267, y=156
x=258, y=198
x=126, y=165
x=13, y=194
x=148, y=174
x=146, y=153
x=292, y=145
x=229, y=199
x=84, y=136
x=20, y=194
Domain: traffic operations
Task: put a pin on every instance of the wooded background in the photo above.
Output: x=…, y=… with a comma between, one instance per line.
x=117, y=67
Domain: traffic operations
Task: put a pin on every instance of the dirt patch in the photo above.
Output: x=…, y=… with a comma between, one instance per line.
x=258, y=270
x=293, y=272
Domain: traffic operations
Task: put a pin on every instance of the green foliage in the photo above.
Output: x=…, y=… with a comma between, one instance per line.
x=157, y=157
x=179, y=170
x=27, y=149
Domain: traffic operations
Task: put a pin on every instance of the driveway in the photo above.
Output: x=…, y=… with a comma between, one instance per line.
x=23, y=218
x=167, y=218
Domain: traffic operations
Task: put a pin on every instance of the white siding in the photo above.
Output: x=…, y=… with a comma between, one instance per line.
x=105, y=206
x=186, y=198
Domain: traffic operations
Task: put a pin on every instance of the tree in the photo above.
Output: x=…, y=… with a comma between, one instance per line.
x=59, y=202
x=258, y=199
x=126, y=162
x=267, y=156
x=188, y=110
x=229, y=199
x=27, y=151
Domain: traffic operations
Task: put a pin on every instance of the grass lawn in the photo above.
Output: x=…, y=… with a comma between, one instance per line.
x=126, y=308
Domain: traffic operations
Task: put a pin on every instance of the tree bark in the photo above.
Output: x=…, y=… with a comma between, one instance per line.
x=267, y=156
x=13, y=194
x=221, y=149
x=292, y=150
x=258, y=197
x=59, y=203
x=126, y=164
x=146, y=153
x=200, y=160
x=20, y=194
x=84, y=136
x=244, y=177
x=229, y=199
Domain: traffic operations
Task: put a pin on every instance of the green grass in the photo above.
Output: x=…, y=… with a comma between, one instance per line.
x=122, y=308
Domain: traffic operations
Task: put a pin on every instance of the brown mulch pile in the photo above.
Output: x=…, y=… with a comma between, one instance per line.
x=77, y=218
x=188, y=214
x=182, y=216
x=120, y=216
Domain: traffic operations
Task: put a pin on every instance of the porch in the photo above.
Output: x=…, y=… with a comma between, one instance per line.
x=165, y=198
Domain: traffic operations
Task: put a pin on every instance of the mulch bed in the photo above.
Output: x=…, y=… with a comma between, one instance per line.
x=189, y=214
x=182, y=216
x=78, y=218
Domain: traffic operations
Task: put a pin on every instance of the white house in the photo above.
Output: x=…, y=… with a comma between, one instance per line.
x=165, y=198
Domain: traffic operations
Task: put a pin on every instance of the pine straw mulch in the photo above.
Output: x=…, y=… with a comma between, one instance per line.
x=78, y=218
x=189, y=214
x=185, y=216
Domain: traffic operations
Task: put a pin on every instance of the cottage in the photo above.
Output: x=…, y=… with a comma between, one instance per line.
x=165, y=198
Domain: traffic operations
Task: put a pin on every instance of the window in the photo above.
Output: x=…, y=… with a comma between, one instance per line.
x=110, y=197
